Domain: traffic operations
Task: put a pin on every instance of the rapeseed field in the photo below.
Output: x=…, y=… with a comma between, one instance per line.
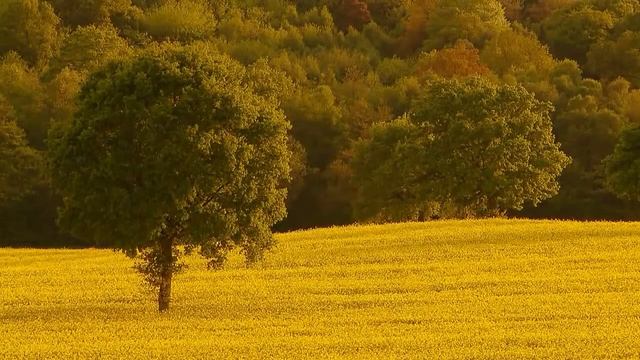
x=498, y=289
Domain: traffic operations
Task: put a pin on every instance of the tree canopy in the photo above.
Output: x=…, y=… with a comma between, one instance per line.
x=173, y=147
x=468, y=146
x=623, y=166
x=20, y=165
x=30, y=28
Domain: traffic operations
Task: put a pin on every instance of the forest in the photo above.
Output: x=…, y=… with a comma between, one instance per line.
x=362, y=83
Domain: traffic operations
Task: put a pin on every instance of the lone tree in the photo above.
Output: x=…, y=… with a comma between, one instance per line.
x=623, y=166
x=469, y=148
x=169, y=152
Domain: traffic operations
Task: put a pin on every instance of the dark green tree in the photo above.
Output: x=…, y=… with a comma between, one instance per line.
x=473, y=147
x=623, y=166
x=21, y=167
x=571, y=31
x=610, y=59
x=89, y=47
x=86, y=12
x=171, y=152
x=22, y=89
x=473, y=20
x=181, y=20
x=30, y=28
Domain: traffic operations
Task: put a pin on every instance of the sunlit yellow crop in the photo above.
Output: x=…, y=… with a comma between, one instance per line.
x=504, y=289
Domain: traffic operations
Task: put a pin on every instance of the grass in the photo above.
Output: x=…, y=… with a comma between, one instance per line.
x=451, y=289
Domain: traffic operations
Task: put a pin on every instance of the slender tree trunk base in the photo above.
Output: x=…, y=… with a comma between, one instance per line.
x=164, y=294
x=166, y=274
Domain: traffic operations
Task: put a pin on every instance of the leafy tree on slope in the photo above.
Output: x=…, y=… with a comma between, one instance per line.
x=172, y=152
x=473, y=146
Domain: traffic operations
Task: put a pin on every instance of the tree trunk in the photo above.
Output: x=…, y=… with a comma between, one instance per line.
x=166, y=274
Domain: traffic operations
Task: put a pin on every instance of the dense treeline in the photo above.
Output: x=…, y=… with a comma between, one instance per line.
x=340, y=68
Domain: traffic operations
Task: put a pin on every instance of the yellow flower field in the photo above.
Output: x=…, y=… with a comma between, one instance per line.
x=498, y=289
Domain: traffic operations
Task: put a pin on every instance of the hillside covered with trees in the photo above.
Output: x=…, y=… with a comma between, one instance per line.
x=549, y=88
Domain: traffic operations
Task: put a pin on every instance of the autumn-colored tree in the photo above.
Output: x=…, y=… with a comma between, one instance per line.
x=387, y=13
x=461, y=60
x=352, y=13
x=513, y=9
x=623, y=166
x=619, y=8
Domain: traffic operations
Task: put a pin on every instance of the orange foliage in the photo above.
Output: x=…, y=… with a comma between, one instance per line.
x=461, y=60
x=354, y=13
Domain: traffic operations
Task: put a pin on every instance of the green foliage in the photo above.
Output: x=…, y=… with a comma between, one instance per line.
x=572, y=31
x=517, y=56
x=173, y=147
x=89, y=47
x=61, y=92
x=517, y=52
x=380, y=165
x=86, y=12
x=588, y=131
x=34, y=105
x=538, y=10
x=460, y=60
x=473, y=145
x=30, y=28
x=588, y=123
x=623, y=166
x=21, y=167
x=619, y=8
x=352, y=13
x=617, y=57
x=22, y=89
x=181, y=20
x=391, y=70
x=473, y=20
